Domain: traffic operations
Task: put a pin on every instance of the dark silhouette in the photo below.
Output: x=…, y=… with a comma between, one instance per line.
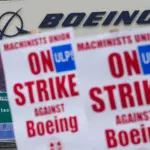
x=2, y=78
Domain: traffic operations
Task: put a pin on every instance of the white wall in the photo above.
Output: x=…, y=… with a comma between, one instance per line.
x=34, y=11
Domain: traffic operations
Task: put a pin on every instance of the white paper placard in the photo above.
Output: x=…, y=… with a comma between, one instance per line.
x=43, y=90
x=114, y=74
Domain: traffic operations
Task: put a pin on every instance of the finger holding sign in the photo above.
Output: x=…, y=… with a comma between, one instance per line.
x=34, y=31
x=114, y=30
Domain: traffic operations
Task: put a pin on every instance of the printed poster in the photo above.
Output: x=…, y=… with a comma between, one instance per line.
x=114, y=75
x=42, y=84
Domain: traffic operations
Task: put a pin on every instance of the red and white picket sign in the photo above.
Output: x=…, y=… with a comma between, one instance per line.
x=114, y=75
x=43, y=91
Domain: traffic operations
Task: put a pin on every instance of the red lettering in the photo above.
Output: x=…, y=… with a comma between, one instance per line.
x=57, y=125
x=125, y=92
x=42, y=90
x=34, y=63
x=64, y=125
x=138, y=93
x=146, y=91
x=80, y=46
x=110, y=91
x=46, y=89
x=61, y=89
x=47, y=61
x=116, y=65
x=72, y=85
x=129, y=39
x=118, y=120
x=30, y=91
x=100, y=105
x=21, y=100
x=123, y=138
x=111, y=140
x=40, y=128
x=36, y=112
x=60, y=37
x=135, y=136
x=132, y=63
x=52, y=89
x=87, y=46
x=49, y=127
x=93, y=44
x=30, y=128
x=6, y=47
x=144, y=134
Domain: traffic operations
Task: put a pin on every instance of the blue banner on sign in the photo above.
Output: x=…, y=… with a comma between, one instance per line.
x=6, y=131
x=63, y=57
x=144, y=54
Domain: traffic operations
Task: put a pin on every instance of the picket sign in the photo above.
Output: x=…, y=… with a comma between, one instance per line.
x=43, y=92
x=114, y=75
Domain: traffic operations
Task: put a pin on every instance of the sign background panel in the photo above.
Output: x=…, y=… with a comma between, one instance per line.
x=74, y=136
x=94, y=74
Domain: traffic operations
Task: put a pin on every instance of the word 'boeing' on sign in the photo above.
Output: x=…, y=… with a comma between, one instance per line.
x=114, y=17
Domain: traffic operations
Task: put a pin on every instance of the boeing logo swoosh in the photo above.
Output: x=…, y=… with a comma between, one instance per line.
x=78, y=19
x=20, y=30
